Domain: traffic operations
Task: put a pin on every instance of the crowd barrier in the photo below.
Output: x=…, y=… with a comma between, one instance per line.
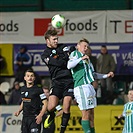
x=106, y=120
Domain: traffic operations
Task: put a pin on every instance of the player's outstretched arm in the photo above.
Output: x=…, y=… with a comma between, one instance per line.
x=103, y=76
x=19, y=110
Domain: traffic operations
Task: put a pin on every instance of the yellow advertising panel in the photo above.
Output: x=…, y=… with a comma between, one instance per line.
x=106, y=120
x=6, y=50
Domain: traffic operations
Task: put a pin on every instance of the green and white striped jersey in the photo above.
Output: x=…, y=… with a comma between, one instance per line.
x=83, y=72
x=128, y=114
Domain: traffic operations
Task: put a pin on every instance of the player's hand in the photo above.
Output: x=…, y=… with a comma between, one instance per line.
x=85, y=57
x=95, y=84
x=38, y=119
x=110, y=74
x=120, y=116
x=17, y=113
x=59, y=113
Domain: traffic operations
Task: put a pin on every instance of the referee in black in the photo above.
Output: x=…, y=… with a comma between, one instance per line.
x=56, y=57
x=31, y=106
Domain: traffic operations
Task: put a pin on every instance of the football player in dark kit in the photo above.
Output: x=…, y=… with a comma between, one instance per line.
x=31, y=105
x=55, y=57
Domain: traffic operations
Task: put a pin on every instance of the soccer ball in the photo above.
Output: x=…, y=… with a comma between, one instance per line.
x=58, y=21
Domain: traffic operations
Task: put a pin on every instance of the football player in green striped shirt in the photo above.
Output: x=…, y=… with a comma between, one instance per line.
x=128, y=114
x=83, y=74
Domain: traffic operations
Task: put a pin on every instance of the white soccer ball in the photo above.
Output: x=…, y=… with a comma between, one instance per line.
x=58, y=21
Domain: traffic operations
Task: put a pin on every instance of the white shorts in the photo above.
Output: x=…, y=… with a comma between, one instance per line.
x=85, y=96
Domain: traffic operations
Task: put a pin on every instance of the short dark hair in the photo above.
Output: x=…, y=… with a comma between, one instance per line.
x=46, y=88
x=50, y=33
x=130, y=89
x=104, y=46
x=30, y=70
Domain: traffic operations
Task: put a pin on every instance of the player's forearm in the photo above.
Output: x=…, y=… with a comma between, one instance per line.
x=19, y=110
x=73, y=63
x=21, y=107
x=44, y=108
x=100, y=76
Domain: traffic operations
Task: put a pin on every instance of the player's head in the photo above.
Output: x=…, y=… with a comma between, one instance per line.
x=46, y=91
x=104, y=49
x=23, y=49
x=82, y=45
x=130, y=95
x=16, y=85
x=29, y=76
x=51, y=38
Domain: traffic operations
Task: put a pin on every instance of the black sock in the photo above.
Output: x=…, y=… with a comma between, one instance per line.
x=64, y=123
x=52, y=115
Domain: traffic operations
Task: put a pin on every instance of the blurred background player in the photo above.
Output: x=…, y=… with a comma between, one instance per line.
x=2, y=99
x=32, y=96
x=15, y=97
x=128, y=114
x=105, y=64
x=51, y=128
x=23, y=61
x=92, y=58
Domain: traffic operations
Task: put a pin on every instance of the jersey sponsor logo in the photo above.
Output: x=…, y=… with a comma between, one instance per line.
x=54, y=51
x=26, y=99
x=54, y=54
x=26, y=94
x=128, y=112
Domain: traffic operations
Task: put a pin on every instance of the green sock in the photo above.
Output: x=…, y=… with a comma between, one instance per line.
x=92, y=130
x=86, y=126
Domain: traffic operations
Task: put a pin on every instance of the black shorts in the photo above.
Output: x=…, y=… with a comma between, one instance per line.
x=29, y=125
x=62, y=88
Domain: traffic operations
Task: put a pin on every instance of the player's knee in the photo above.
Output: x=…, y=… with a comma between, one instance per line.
x=51, y=108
